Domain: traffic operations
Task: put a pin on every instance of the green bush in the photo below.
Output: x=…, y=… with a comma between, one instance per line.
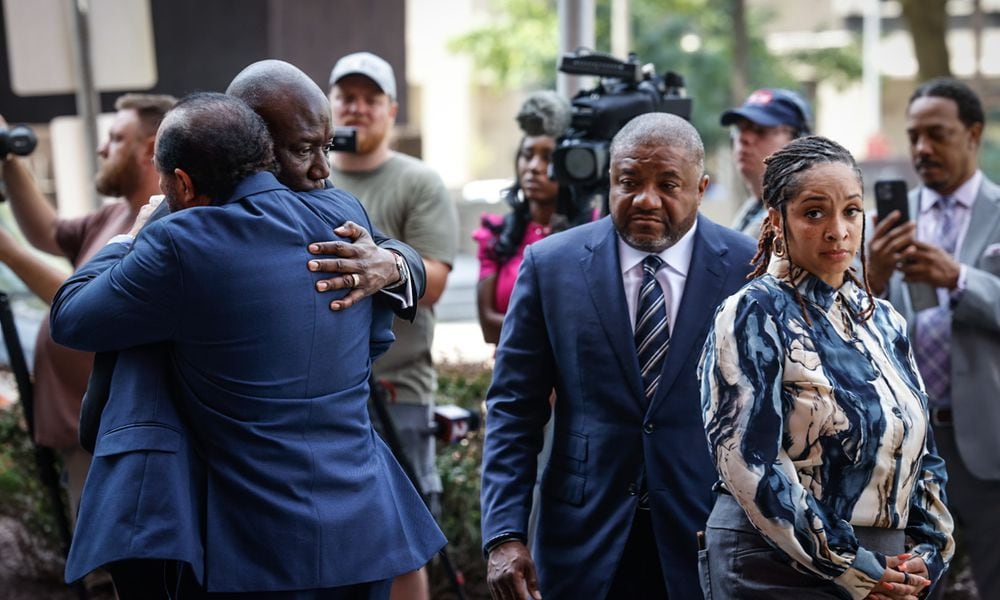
x=22, y=495
x=459, y=465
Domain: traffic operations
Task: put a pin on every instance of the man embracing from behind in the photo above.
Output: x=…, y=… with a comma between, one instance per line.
x=294, y=474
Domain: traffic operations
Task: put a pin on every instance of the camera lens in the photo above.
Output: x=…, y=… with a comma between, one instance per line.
x=19, y=140
x=581, y=164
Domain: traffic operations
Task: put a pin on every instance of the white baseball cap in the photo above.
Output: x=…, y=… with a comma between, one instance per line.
x=367, y=64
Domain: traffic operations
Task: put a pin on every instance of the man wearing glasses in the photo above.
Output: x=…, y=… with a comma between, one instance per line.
x=769, y=119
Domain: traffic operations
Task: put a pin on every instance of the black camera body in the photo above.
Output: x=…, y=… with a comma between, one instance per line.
x=626, y=90
x=19, y=140
x=345, y=139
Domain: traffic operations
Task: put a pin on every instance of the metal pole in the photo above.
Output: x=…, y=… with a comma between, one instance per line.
x=870, y=76
x=87, y=101
x=576, y=30
x=977, y=46
x=621, y=31
x=741, y=53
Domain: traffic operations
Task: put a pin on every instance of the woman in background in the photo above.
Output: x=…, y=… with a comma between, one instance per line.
x=816, y=416
x=539, y=207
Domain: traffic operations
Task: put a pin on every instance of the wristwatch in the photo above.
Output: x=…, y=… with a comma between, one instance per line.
x=404, y=271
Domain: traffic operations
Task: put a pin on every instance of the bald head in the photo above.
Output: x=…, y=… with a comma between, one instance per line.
x=297, y=114
x=268, y=82
x=660, y=129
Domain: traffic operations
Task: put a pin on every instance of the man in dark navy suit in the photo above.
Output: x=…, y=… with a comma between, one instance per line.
x=133, y=386
x=613, y=316
x=293, y=473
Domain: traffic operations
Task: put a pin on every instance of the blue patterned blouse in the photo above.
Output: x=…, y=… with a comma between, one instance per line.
x=818, y=427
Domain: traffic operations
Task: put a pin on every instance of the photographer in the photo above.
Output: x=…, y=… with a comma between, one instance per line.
x=126, y=172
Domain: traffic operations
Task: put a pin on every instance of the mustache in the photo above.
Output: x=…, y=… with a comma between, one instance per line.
x=926, y=162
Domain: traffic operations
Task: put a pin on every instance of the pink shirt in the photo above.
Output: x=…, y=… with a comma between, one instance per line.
x=506, y=273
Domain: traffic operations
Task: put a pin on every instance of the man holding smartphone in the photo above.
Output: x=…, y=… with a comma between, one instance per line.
x=952, y=244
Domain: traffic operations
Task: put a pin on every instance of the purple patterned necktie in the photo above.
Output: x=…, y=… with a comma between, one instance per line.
x=933, y=344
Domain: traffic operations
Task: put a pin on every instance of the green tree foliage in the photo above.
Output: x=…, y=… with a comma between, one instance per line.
x=518, y=48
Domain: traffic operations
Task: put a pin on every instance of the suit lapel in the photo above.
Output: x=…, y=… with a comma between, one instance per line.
x=704, y=282
x=602, y=273
x=982, y=222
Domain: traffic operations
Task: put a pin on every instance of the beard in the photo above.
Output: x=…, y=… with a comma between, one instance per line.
x=116, y=178
x=368, y=143
x=655, y=243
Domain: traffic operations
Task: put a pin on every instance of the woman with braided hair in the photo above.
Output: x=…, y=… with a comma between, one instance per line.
x=816, y=417
x=538, y=207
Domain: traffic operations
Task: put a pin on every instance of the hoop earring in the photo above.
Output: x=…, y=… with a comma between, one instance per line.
x=778, y=247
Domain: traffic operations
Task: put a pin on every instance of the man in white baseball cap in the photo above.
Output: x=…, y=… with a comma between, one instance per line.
x=369, y=65
x=407, y=201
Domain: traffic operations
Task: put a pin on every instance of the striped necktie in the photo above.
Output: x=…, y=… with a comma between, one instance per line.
x=652, y=334
x=932, y=349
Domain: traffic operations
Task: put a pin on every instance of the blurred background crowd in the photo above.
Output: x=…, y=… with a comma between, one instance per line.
x=463, y=69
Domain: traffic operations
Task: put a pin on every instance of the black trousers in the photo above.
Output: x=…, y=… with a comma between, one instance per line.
x=639, y=575
x=170, y=580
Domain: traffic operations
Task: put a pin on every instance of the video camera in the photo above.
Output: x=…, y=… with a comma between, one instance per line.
x=452, y=423
x=345, y=139
x=626, y=90
x=19, y=140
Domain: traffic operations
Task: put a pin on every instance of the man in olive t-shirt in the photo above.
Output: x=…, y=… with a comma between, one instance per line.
x=408, y=201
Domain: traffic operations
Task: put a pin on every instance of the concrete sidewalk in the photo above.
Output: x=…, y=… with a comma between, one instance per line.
x=457, y=337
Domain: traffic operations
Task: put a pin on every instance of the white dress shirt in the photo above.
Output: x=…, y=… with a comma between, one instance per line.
x=671, y=277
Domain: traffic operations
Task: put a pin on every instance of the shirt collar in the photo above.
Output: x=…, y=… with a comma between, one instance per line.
x=262, y=181
x=964, y=195
x=816, y=290
x=677, y=257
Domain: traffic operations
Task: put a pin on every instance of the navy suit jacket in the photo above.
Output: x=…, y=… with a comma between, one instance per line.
x=99, y=383
x=273, y=387
x=568, y=329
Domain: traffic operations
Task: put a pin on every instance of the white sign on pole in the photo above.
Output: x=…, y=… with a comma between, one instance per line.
x=40, y=46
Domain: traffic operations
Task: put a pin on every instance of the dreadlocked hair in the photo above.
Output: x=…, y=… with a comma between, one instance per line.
x=782, y=183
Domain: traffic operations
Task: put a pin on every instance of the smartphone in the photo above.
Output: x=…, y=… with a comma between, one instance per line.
x=890, y=195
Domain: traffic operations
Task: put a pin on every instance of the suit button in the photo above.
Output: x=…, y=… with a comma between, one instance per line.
x=632, y=489
x=648, y=427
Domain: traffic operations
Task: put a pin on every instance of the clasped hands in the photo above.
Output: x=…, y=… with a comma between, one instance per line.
x=905, y=578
